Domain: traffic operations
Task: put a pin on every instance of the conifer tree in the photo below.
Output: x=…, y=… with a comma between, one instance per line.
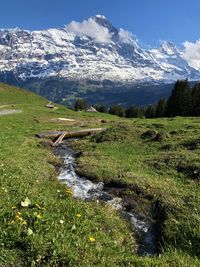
x=134, y=112
x=117, y=110
x=150, y=111
x=101, y=108
x=180, y=101
x=161, y=108
x=80, y=104
x=196, y=100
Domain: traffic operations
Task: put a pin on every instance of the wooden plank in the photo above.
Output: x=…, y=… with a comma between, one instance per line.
x=59, y=139
x=70, y=134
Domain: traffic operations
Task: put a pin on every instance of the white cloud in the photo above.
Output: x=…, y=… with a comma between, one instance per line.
x=192, y=53
x=125, y=36
x=90, y=28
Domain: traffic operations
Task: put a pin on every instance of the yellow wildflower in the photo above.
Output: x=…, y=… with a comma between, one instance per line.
x=69, y=191
x=19, y=218
x=92, y=239
x=39, y=216
x=24, y=222
x=78, y=215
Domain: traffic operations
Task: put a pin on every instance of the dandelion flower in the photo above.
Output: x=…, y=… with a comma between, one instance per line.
x=92, y=239
x=19, y=218
x=38, y=216
x=78, y=215
x=69, y=191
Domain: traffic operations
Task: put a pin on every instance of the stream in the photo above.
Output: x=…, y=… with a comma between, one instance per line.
x=86, y=190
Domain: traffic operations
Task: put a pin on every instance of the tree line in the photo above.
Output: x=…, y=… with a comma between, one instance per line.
x=183, y=101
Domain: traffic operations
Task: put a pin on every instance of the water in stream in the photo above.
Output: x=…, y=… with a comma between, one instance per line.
x=86, y=190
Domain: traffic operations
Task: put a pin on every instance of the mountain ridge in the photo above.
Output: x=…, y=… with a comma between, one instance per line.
x=90, y=50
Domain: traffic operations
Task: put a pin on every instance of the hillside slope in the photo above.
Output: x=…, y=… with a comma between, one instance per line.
x=55, y=229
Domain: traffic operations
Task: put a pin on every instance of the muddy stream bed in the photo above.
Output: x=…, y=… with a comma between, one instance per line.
x=143, y=224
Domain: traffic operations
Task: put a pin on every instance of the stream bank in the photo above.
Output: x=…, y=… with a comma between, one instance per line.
x=140, y=213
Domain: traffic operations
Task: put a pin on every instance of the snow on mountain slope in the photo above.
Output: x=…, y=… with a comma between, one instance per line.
x=93, y=49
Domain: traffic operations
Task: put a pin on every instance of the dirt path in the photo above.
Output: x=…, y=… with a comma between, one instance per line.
x=9, y=111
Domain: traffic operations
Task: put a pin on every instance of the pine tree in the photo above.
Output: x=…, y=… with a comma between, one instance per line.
x=134, y=112
x=80, y=104
x=150, y=111
x=180, y=101
x=101, y=108
x=117, y=110
x=161, y=108
x=196, y=100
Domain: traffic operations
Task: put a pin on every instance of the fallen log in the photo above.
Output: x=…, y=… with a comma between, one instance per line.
x=69, y=134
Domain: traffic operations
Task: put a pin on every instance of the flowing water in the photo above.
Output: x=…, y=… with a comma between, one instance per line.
x=86, y=190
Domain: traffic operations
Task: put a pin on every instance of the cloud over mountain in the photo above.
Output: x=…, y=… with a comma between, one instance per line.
x=192, y=53
x=91, y=29
x=125, y=36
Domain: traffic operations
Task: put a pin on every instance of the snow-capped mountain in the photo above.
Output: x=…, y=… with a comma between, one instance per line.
x=92, y=49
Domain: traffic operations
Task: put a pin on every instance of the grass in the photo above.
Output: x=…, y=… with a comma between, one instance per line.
x=166, y=170
x=57, y=230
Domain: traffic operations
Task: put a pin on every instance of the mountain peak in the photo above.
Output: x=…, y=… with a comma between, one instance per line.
x=100, y=16
x=168, y=48
x=104, y=21
x=101, y=20
x=92, y=49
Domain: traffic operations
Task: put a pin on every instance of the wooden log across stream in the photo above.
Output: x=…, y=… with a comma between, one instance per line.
x=57, y=137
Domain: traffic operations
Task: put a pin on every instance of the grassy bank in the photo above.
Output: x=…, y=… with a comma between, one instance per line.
x=43, y=225
x=157, y=159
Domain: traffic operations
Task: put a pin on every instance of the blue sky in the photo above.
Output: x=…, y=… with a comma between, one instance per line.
x=150, y=20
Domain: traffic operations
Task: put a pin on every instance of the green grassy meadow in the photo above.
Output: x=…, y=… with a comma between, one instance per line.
x=55, y=229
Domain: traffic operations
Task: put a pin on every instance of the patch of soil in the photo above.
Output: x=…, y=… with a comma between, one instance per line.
x=150, y=134
x=190, y=170
x=192, y=144
x=162, y=136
